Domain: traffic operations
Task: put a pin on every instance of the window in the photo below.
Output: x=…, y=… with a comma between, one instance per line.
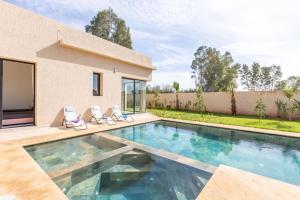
x=97, y=84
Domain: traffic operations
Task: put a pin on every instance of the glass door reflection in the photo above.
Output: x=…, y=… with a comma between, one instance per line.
x=133, y=96
x=127, y=96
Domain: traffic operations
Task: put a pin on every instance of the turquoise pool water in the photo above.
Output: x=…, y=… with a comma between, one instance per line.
x=272, y=156
x=81, y=170
x=135, y=175
x=65, y=153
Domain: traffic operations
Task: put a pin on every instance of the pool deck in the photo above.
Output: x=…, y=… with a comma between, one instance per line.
x=23, y=179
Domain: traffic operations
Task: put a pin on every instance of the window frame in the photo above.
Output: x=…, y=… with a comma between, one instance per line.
x=99, y=85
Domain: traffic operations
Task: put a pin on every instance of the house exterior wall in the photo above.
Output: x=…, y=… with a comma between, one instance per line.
x=65, y=60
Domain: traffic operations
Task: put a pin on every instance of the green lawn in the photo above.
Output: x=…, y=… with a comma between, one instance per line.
x=239, y=120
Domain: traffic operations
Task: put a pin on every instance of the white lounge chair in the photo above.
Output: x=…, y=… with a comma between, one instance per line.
x=99, y=117
x=72, y=120
x=119, y=116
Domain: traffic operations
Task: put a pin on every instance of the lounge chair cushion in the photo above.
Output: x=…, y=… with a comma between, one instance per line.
x=116, y=111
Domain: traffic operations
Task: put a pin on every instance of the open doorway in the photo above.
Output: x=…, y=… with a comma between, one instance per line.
x=17, y=93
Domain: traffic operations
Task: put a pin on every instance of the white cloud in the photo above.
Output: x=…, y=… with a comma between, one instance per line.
x=284, y=53
x=169, y=31
x=172, y=58
x=143, y=35
x=167, y=78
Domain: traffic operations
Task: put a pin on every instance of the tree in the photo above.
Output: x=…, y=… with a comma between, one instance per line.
x=259, y=78
x=162, y=89
x=260, y=109
x=176, y=88
x=290, y=82
x=250, y=78
x=274, y=77
x=166, y=88
x=233, y=103
x=213, y=71
x=107, y=25
x=200, y=101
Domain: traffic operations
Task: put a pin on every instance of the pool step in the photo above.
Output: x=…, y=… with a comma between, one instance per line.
x=130, y=196
x=129, y=168
x=135, y=158
x=88, y=162
x=138, y=184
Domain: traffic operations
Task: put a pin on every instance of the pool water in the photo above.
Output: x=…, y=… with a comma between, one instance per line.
x=133, y=175
x=93, y=168
x=65, y=153
x=277, y=157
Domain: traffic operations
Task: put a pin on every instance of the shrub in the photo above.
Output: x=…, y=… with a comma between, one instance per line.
x=289, y=93
x=297, y=104
x=260, y=109
x=200, y=101
x=281, y=108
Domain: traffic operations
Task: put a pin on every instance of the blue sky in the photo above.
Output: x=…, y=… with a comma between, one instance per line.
x=170, y=31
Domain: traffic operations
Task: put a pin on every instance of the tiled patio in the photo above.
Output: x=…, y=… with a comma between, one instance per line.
x=24, y=179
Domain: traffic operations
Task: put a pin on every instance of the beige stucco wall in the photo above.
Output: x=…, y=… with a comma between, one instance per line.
x=64, y=72
x=220, y=102
x=17, y=86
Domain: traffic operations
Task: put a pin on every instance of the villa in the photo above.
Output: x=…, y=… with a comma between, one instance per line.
x=46, y=66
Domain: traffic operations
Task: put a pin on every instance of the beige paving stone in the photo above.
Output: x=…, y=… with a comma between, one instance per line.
x=22, y=178
x=229, y=183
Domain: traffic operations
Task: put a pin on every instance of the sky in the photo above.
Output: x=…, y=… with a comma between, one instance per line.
x=170, y=31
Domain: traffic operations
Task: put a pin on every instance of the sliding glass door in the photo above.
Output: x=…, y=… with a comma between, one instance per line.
x=133, y=96
x=140, y=96
x=128, y=96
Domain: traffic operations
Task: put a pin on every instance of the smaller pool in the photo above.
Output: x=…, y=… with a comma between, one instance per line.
x=65, y=153
x=134, y=175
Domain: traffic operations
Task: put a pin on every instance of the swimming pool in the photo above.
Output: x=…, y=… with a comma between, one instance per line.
x=273, y=156
x=91, y=167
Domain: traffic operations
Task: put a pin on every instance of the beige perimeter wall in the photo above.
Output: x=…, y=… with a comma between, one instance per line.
x=64, y=70
x=220, y=102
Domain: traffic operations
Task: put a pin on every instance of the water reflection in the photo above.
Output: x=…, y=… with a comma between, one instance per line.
x=269, y=155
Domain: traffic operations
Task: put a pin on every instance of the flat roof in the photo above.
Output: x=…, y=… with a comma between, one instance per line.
x=80, y=40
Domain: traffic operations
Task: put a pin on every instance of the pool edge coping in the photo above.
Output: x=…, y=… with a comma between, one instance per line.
x=239, y=128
